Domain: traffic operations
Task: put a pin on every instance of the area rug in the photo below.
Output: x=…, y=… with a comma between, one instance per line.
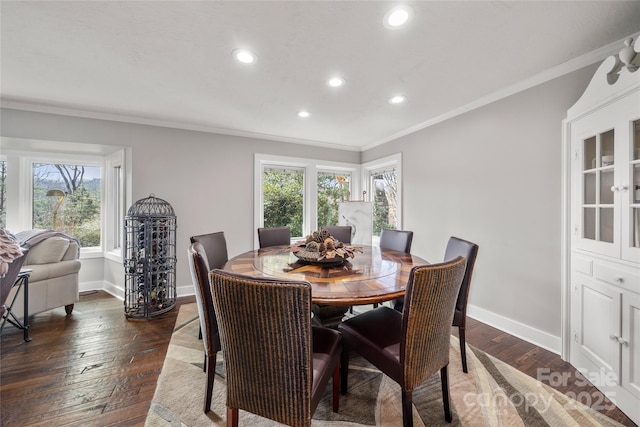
x=491, y=394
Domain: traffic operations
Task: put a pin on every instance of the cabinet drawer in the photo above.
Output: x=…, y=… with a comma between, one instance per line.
x=582, y=265
x=628, y=279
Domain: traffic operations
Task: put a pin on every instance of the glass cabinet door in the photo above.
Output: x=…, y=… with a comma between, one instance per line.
x=605, y=202
x=597, y=182
x=630, y=192
x=635, y=185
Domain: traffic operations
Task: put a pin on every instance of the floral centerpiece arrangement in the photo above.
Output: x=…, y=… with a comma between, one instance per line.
x=320, y=246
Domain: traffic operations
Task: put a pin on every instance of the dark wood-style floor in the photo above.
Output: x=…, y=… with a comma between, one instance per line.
x=96, y=368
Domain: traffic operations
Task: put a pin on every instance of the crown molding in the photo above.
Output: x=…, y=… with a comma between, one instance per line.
x=63, y=111
x=543, y=77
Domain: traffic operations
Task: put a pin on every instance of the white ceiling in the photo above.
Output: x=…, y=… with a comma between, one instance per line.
x=170, y=63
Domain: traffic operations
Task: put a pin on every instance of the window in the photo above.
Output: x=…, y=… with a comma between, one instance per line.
x=333, y=188
x=301, y=194
x=283, y=191
x=82, y=194
x=115, y=201
x=383, y=188
x=67, y=198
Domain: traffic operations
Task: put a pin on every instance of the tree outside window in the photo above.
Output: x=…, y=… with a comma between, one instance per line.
x=67, y=198
x=333, y=188
x=283, y=192
x=384, y=185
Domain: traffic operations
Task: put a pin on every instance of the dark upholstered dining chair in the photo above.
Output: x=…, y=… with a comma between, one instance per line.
x=411, y=346
x=199, y=267
x=277, y=364
x=274, y=236
x=215, y=246
x=396, y=240
x=340, y=232
x=458, y=247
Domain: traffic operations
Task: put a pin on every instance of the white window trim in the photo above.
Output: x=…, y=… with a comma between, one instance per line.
x=395, y=161
x=311, y=168
x=115, y=208
x=20, y=216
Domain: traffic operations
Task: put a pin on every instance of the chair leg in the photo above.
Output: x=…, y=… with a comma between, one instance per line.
x=344, y=369
x=200, y=332
x=232, y=417
x=444, y=379
x=407, y=408
x=336, y=387
x=204, y=364
x=463, y=348
x=210, y=369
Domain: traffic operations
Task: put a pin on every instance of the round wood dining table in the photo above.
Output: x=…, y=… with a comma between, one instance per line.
x=373, y=276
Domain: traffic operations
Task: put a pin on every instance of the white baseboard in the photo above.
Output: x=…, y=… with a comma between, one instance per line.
x=110, y=288
x=97, y=285
x=513, y=327
x=118, y=292
x=184, y=291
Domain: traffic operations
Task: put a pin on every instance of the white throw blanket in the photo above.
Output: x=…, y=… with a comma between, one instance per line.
x=30, y=238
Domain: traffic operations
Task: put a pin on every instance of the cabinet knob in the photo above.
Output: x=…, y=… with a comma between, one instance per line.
x=619, y=187
x=620, y=340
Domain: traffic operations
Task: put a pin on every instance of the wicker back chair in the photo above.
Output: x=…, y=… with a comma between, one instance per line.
x=277, y=364
x=413, y=345
x=199, y=267
x=340, y=232
x=274, y=236
x=459, y=247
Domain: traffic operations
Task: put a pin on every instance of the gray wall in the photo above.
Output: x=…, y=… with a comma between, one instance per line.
x=493, y=176
x=207, y=178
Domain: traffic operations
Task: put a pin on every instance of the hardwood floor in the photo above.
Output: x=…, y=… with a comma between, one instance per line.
x=96, y=368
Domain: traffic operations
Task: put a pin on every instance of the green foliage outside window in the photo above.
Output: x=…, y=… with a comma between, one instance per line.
x=385, y=190
x=284, y=199
x=332, y=189
x=73, y=203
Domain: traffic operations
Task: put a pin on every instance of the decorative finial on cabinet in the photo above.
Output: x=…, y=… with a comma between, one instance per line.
x=627, y=54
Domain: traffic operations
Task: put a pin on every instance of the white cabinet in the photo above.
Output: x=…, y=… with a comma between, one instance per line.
x=602, y=133
x=605, y=165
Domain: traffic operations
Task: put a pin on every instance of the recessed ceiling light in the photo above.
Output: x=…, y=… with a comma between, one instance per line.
x=245, y=56
x=398, y=16
x=335, y=81
x=398, y=99
x=304, y=114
